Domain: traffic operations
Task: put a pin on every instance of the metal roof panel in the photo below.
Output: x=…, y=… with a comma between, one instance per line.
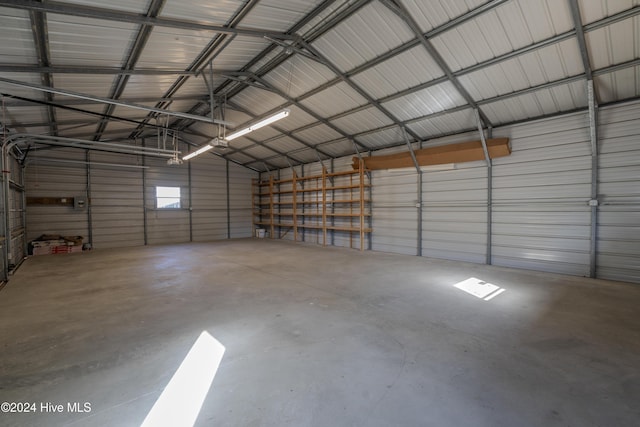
x=138, y=6
x=258, y=101
x=343, y=147
x=614, y=44
x=278, y=15
x=536, y=104
x=296, y=119
x=426, y=101
x=335, y=100
x=401, y=72
x=541, y=66
x=363, y=36
x=382, y=138
x=362, y=121
x=318, y=134
x=434, y=13
x=592, y=11
x=146, y=85
x=285, y=144
x=239, y=52
x=15, y=25
x=259, y=151
x=217, y=12
x=173, y=48
x=96, y=85
x=86, y=41
x=299, y=75
x=444, y=124
x=619, y=85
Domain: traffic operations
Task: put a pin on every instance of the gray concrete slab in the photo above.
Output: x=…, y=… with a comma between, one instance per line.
x=317, y=337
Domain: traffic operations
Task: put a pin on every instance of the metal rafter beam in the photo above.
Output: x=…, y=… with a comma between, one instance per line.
x=223, y=155
x=41, y=41
x=282, y=131
x=326, y=26
x=564, y=81
x=21, y=68
x=100, y=100
x=577, y=23
x=526, y=49
x=19, y=102
x=136, y=18
x=398, y=8
x=312, y=113
x=68, y=108
x=359, y=90
x=214, y=48
x=130, y=62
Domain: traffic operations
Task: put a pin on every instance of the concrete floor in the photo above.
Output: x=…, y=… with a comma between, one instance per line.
x=317, y=337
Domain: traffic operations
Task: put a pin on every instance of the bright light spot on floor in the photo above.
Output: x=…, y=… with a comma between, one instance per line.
x=480, y=288
x=181, y=401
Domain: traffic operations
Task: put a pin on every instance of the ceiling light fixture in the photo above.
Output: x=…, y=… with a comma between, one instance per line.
x=199, y=151
x=216, y=142
x=262, y=123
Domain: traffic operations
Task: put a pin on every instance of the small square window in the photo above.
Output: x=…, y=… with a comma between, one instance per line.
x=168, y=197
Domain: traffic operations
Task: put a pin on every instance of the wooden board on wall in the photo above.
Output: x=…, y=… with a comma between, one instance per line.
x=453, y=153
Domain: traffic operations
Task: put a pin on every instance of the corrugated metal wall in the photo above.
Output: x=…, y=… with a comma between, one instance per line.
x=45, y=179
x=240, y=200
x=619, y=193
x=541, y=216
x=454, y=212
x=209, y=198
x=166, y=225
x=122, y=191
x=394, y=211
x=116, y=201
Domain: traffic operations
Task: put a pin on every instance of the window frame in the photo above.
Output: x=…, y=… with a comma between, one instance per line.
x=159, y=197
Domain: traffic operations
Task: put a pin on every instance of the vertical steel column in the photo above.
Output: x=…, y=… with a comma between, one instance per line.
x=370, y=221
x=4, y=160
x=23, y=180
x=87, y=156
x=144, y=196
x=304, y=217
x=190, y=203
x=419, y=193
x=229, y=202
x=593, y=134
x=333, y=210
x=489, y=187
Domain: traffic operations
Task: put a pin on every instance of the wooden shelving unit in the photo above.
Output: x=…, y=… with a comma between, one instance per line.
x=328, y=202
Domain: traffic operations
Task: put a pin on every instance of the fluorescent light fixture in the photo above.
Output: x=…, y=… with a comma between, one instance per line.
x=199, y=151
x=218, y=143
x=262, y=123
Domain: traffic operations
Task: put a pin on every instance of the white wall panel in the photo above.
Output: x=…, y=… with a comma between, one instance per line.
x=209, y=198
x=541, y=215
x=166, y=225
x=455, y=212
x=56, y=180
x=619, y=192
x=240, y=200
x=116, y=201
x=395, y=216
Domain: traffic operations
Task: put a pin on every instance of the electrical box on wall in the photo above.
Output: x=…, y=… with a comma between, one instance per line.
x=79, y=203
